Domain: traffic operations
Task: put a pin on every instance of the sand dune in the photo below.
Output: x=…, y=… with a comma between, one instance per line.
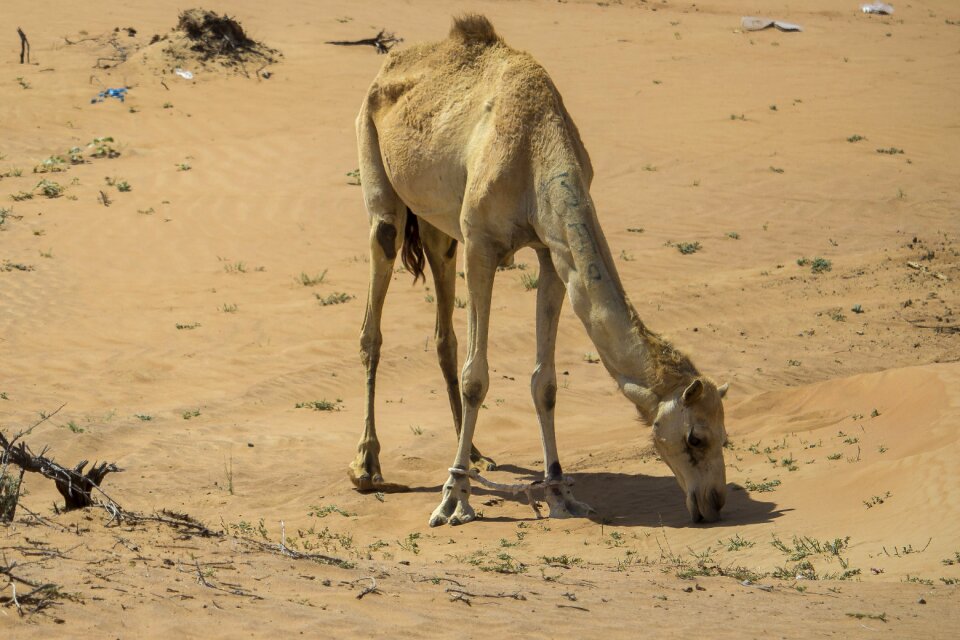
x=176, y=329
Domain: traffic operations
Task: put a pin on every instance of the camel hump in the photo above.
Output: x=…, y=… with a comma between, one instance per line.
x=473, y=28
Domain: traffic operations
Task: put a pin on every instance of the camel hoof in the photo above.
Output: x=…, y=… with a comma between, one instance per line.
x=481, y=462
x=563, y=505
x=365, y=482
x=454, y=508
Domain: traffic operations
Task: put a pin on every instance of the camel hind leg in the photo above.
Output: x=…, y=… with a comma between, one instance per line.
x=441, y=251
x=387, y=216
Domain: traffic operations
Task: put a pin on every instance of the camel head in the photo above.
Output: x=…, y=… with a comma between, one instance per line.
x=689, y=434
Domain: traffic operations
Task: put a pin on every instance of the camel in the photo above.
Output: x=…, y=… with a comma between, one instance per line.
x=467, y=141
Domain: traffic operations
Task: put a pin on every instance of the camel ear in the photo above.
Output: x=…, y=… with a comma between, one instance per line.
x=693, y=392
x=642, y=397
x=722, y=389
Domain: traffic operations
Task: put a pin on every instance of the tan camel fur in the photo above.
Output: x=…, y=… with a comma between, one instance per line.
x=473, y=137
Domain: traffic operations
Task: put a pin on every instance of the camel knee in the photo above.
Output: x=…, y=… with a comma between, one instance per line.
x=475, y=385
x=370, y=344
x=543, y=387
x=385, y=236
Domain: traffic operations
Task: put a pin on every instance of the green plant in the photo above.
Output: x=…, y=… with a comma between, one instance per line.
x=9, y=494
x=143, y=417
x=733, y=234
x=235, y=267
x=323, y=512
x=183, y=166
x=320, y=405
x=53, y=164
x=191, y=413
x=736, y=543
x=855, y=138
x=834, y=456
x=23, y=83
x=857, y=308
x=591, y=358
x=819, y=265
x=49, y=188
x=686, y=248
x=762, y=487
x=837, y=315
x=417, y=430
x=354, y=177
x=74, y=427
x=333, y=298
x=228, y=308
x=103, y=148
x=776, y=169
x=310, y=281
x=530, y=280
x=890, y=151
x=635, y=229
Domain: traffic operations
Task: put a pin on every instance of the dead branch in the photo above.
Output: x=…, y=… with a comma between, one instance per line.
x=73, y=484
x=383, y=42
x=234, y=590
x=513, y=596
x=938, y=328
x=24, y=45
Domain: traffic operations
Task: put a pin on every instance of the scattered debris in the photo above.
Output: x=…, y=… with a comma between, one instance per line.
x=750, y=23
x=186, y=75
x=877, y=7
x=383, y=42
x=120, y=94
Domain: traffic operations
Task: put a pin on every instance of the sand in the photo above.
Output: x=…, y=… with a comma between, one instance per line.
x=175, y=329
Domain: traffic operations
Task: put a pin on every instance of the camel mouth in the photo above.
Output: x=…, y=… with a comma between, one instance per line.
x=704, y=510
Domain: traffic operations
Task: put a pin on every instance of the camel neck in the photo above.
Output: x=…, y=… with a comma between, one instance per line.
x=582, y=258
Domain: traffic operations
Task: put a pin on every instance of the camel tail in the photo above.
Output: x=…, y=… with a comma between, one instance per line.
x=473, y=28
x=412, y=252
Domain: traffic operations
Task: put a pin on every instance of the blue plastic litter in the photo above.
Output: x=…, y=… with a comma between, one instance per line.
x=121, y=94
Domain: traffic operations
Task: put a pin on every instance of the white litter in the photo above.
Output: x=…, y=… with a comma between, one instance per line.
x=877, y=7
x=186, y=75
x=750, y=23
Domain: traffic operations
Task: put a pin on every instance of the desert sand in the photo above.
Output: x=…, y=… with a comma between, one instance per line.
x=180, y=326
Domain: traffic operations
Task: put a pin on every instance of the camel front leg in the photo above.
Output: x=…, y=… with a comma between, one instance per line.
x=441, y=251
x=543, y=386
x=481, y=267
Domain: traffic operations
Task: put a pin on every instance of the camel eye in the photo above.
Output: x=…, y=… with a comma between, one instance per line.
x=694, y=441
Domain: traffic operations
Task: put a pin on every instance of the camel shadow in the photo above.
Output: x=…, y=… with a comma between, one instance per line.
x=628, y=500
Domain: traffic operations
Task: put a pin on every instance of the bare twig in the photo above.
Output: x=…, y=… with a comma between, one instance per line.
x=371, y=589
x=383, y=42
x=513, y=596
x=24, y=45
